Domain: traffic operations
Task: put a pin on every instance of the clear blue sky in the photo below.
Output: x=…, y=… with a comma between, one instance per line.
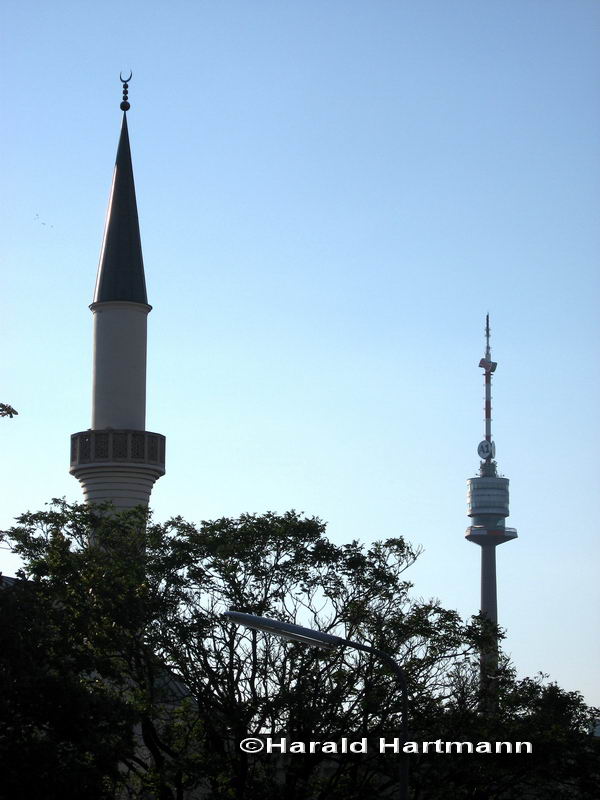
x=331, y=196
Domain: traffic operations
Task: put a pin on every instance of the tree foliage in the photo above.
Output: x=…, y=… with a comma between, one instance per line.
x=148, y=690
x=7, y=411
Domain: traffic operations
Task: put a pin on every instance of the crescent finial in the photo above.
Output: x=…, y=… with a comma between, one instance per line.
x=125, y=81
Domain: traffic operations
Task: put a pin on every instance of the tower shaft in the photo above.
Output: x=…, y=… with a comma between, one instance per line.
x=119, y=365
x=489, y=597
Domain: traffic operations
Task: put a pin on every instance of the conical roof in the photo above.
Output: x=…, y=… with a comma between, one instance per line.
x=121, y=268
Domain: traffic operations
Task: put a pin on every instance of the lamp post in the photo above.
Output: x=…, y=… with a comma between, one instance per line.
x=328, y=641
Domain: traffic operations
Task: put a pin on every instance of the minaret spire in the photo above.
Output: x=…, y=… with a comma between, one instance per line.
x=117, y=460
x=488, y=509
x=121, y=267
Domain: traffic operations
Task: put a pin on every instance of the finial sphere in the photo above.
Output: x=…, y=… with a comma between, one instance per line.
x=124, y=106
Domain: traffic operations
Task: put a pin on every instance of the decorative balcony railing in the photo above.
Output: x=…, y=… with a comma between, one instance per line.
x=110, y=446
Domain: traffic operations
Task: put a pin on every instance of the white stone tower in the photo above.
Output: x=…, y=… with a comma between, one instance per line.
x=117, y=460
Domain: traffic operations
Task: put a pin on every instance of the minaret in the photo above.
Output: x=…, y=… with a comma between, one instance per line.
x=117, y=460
x=488, y=509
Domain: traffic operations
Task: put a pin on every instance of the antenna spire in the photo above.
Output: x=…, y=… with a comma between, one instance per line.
x=125, y=81
x=487, y=449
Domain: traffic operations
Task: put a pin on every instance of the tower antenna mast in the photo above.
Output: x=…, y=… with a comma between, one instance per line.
x=487, y=448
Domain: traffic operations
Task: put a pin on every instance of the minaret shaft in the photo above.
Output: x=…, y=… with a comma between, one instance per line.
x=119, y=367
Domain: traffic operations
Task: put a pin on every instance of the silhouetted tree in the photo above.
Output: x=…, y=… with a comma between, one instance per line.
x=134, y=612
x=7, y=411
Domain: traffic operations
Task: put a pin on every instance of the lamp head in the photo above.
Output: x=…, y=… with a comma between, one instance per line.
x=286, y=630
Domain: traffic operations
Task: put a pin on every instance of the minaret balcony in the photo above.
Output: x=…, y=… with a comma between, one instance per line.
x=110, y=446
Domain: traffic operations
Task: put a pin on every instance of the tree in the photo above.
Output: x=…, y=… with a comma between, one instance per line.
x=7, y=411
x=63, y=732
x=138, y=614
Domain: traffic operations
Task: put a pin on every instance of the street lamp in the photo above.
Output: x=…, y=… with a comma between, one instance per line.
x=328, y=641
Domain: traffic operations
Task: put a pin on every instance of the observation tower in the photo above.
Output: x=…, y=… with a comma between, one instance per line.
x=487, y=498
